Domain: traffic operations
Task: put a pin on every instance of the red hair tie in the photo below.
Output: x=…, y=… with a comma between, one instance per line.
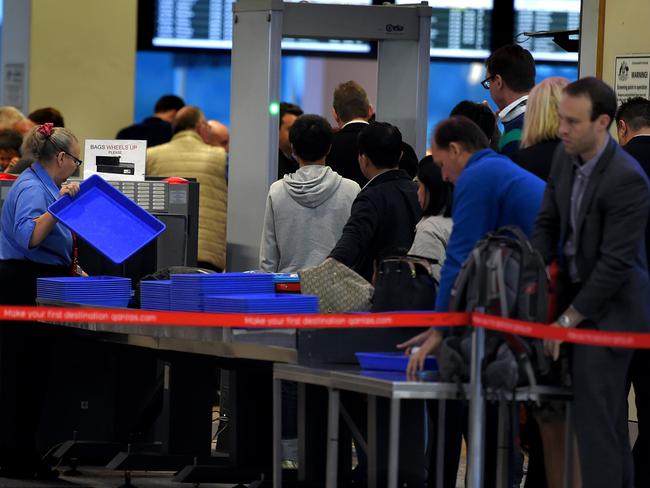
x=46, y=129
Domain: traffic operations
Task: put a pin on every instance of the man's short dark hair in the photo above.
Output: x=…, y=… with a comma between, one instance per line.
x=10, y=140
x=382, y=144
x=311, y=137
x=635, y=112
x=461, y=130
x=603, y=98
x=186, y=119
x=515, y=65
x=351, y=101
x=167, y=103
x=289, y=108
x=480, y=114
x=45, y=115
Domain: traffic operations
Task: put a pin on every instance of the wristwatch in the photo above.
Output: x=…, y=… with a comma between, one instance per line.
x=564, y=321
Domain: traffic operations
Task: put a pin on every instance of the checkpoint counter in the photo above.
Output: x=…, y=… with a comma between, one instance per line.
x=162, y=378
x=259, y=361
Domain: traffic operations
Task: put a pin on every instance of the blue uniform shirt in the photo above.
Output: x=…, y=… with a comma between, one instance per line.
x=29, y=197
x=491, y=192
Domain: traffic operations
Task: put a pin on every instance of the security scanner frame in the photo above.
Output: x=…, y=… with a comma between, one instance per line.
x=177, y=205
x=403, y=34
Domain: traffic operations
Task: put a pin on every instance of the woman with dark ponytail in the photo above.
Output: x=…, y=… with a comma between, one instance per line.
x=434, y=229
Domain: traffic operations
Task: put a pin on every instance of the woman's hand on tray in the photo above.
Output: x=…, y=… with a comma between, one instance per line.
x=70, y=189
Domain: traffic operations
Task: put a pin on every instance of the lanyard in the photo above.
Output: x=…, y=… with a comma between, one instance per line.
x=75, y=247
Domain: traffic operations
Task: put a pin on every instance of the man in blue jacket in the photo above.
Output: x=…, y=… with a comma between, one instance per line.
x=490, y=192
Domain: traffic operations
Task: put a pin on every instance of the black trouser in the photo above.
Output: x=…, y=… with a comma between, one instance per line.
x=456, y=427
x=639, y=376
x=25, y=350
x=536, y=474
x=600, y=415
x=18, y=278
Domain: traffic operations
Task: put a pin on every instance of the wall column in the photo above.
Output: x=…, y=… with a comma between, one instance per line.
x=77, y=56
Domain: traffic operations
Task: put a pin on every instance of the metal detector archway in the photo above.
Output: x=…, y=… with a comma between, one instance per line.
x=403, y=34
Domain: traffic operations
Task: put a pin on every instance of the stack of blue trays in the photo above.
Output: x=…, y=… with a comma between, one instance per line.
x=189, y=290
x=262, y=303
x=104, y=291
x=155, y=295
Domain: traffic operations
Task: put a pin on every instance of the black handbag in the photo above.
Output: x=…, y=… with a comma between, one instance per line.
x=404, y=283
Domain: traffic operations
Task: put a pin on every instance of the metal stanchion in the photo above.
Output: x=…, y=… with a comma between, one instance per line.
x=568, y=447
x=440, y=447
x=277, y=433
x=476, y=412
x=332, y=438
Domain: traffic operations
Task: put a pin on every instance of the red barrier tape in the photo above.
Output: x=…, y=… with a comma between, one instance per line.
x=589, y=337
x=183, y=319
x=325, y=321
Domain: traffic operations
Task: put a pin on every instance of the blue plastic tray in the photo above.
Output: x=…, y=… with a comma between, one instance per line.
x=105, y=218
x=390, y=361
x=286, y=278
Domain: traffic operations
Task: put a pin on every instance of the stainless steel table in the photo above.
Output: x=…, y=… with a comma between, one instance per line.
x=247, y=354
x=396, y=388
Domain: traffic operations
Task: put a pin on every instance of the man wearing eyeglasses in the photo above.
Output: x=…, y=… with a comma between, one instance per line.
x=510, y=75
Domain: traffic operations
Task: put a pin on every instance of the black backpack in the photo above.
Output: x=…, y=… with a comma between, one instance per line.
x=503, y=275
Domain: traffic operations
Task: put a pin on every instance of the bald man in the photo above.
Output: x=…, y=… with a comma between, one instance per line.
x=187, y=155
x=217, y=135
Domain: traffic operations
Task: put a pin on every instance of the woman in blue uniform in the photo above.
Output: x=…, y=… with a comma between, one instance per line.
x=32, y=245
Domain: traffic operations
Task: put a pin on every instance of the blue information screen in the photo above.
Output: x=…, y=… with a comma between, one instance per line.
x=207, y=24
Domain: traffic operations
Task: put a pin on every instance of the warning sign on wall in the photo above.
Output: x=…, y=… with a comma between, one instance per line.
x=632, y=77
x=13, y=92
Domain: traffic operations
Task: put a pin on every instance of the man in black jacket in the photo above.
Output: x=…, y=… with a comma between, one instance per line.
x=633, y=128
x=156, y=129
x=592, y=217
x=289, y=112
x=383, y=216
x=353, y=112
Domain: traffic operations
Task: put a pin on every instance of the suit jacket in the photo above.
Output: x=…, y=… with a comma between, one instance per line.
x=610, y=248
x=344, y=155
x=639, y=148
x=152, y=129
x=537, y=159
x=286, y=165
x=382, y=223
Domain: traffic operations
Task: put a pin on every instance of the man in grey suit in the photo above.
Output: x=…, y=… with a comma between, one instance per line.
x=593, y=218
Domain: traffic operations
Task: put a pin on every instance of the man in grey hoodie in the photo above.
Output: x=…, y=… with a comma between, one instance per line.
x=306, y=210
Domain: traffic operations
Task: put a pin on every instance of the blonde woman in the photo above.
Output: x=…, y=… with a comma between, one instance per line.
x=541, y=123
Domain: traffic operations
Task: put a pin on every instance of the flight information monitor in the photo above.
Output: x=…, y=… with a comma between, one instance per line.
x=459, y=28
x=546, y=15
x=207, y=24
